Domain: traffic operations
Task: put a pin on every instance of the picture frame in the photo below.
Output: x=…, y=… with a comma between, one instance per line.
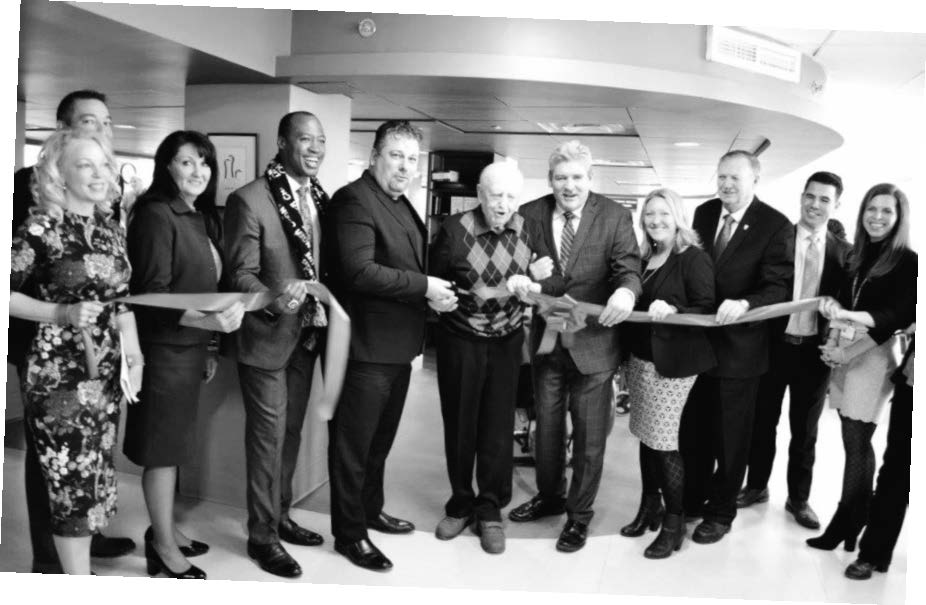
x=236, y=156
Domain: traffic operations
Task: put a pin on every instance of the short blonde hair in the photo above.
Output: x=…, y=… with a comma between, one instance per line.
x=685, y=236
x=48, y=186
x=571, y=151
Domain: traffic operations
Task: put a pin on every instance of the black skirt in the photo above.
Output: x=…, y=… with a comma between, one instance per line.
x=160, y=430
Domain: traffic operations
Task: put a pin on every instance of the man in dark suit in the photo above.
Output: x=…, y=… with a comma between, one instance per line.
x=752, y=245
x=272, y=239
x=81, y=110
x=794, y=356
x=597, y=261
x=375, y=249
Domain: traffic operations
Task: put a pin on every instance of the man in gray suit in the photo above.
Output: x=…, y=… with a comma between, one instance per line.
x=597, y=261
x=272, y=238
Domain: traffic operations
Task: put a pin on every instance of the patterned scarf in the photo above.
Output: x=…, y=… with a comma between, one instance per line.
x=312, y=313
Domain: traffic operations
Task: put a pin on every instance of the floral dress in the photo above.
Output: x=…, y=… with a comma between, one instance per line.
x=73, y=416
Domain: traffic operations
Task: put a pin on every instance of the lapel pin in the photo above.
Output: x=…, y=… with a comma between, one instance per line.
x=745, y=227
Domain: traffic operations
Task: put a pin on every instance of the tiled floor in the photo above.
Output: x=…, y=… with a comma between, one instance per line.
x=764, y=557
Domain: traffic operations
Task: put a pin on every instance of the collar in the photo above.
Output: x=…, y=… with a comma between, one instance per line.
x=179, y=206
x=577, y=213
x=803, y=233
x=371, y=181
x=738, y=215
x=481, y=227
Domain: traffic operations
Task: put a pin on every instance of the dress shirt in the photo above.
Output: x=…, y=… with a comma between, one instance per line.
x=294, y=186
x=800, y=253
x=559, y=222
x=737, y=218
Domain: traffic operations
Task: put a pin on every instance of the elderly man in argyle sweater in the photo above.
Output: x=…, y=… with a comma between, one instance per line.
x=479, y=352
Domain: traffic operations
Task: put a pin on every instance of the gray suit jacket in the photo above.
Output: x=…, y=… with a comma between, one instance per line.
x=604, y=257
x=259, y=257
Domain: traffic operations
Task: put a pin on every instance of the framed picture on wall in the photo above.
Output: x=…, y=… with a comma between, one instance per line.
x=236, y=156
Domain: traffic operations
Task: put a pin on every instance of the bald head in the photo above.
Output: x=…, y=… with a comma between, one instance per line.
x=499, y=193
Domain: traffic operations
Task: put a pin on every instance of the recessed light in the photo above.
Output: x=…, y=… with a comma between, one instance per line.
x=123, y=126
x=687, y=144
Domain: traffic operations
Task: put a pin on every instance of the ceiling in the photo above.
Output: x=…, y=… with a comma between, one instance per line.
x=63, y=48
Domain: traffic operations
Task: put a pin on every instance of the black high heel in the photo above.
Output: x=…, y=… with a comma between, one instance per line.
x=156, y=565
x=195, y=549
x=841, y=528
x=648, y=517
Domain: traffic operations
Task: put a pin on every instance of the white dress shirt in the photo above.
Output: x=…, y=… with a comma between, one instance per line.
x=294, y=186
x=559, y=221
x=737, y=217
x=800, y=253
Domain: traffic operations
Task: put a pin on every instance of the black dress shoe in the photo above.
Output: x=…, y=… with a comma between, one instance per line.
x=803, y=514
x=292, y=533
x=50, y=568
x=708, y=532
x=861, y=570
x=536, y=508
x=274, y=559
x=107, y=548
x=390, y=525
x=195, y=548
x=749, y=496
x=364, y=554
x=156, y=565
x=572, y=538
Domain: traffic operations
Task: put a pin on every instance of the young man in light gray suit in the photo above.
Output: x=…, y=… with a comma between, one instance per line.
x=597, y=261
x=272, y=238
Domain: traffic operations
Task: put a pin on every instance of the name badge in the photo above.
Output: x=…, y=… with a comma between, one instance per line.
x=847, y=332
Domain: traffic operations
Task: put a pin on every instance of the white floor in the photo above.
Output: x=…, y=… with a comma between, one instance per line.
x=763, y=558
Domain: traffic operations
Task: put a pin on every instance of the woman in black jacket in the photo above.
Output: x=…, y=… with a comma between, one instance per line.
x=174, y=244
x=678, y=277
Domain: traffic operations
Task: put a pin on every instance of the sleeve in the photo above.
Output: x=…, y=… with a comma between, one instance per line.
x=555, y=285
x=699, y=284
x=355, y=232
x=899, y=301
x=440, y=254
x=150, y=244
x=776, y=269
x=625, y=257
x=31, y=246
x=242, y=247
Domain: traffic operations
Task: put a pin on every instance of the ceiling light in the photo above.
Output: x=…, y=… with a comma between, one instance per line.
x=496, y=127
x=621, y=163
x=581, y=128
x=366, y=27
x=123, y=126
x=687, y=144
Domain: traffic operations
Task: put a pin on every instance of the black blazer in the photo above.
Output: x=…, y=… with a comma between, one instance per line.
x=890, y=299
x=168, y=246
x=757, y=265
x=686, y=281
x=21, y=332
x=374, y=263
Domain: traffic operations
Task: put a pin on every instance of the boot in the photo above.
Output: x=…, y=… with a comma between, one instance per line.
x=839, y=529
x=648, y=517
x=858, y=520
x=669, y=539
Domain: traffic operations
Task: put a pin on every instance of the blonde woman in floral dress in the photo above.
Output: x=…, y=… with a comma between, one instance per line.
x=76, y=257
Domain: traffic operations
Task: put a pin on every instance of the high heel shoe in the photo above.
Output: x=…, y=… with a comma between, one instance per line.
x=156, y=565
x=841, y=528
x=670, y=538
x=649, y=516
x=195, y=548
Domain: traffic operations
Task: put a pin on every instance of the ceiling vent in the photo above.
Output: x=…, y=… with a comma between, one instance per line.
x=753, y=53
x=581, y=128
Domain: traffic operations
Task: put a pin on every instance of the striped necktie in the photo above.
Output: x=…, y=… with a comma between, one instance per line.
x=565, y=246
x=725, y=234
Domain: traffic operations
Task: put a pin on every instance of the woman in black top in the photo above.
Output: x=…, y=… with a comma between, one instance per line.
x=678, y=277
x=877, y=299
x=174, y=244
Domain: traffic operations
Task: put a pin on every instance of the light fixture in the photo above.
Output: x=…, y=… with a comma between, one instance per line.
x=687, y=144
x=366, y=27
x=124, y=127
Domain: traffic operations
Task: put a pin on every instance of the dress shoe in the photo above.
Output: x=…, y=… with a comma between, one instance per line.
x=749, y=496
x=390, y=525
x=194, y=549
x=669, y=540
x=49, y=568
x=451, y=527
x=861, y=570
x=572, y=538
x=300, y=536
x=708, y=532
x=156, y=565
x=274, y=559
x=491, y=536
x=107, y=548
x=803, y=514
x=535, y=508
x=364, y=554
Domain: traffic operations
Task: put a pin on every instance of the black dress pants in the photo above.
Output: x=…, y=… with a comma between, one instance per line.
x=892, y=494
x=360, y=436
x=478, y=381
x=798, y=368
x=714, y=440
x=275, y=403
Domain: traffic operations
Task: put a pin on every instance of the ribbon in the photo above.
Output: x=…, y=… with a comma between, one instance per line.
x=337, y=347
x=566, y=315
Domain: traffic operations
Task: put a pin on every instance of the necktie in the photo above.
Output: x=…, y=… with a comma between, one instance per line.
x=303, y=196
x=724, y=238
x=565, y=246
x=807, y=320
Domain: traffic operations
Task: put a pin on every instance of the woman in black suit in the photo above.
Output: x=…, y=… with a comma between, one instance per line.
x=174, y=244
x=678, y=277
x=877, y=299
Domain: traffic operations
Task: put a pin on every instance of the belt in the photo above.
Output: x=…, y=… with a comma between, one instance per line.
x=799, y=340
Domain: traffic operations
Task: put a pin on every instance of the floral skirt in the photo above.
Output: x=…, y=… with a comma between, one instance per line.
x=656, y=404
x=74, y=433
